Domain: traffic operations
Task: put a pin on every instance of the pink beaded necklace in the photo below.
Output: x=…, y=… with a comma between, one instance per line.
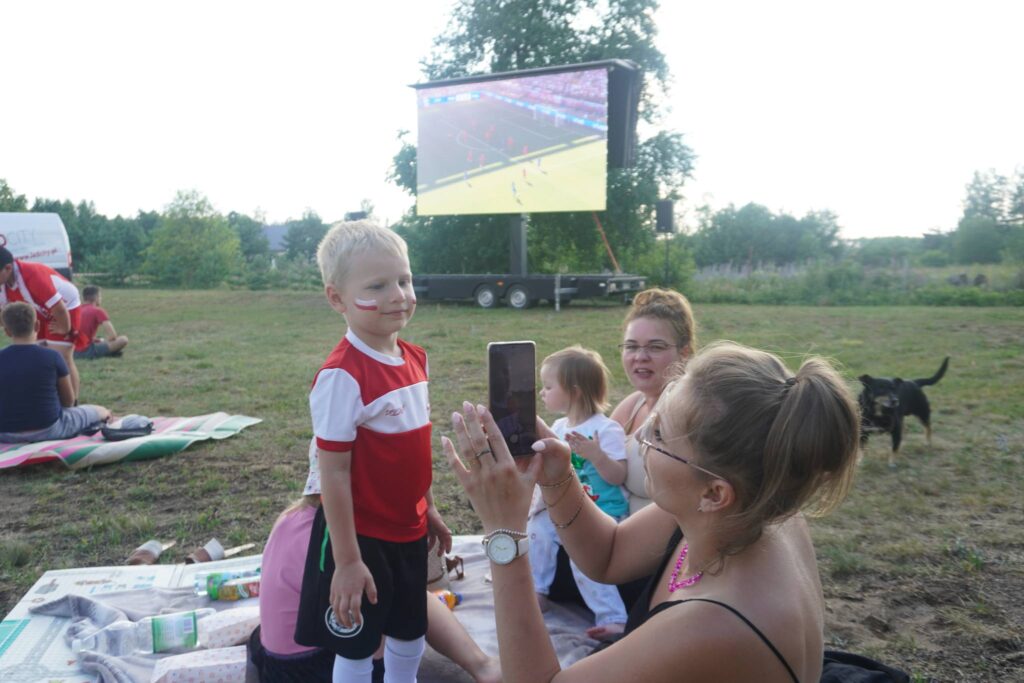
x=673, y=584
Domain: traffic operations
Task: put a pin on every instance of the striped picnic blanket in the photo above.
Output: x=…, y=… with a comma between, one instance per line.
x=170, y=435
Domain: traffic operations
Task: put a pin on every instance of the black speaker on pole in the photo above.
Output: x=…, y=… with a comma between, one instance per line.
x=664, y=213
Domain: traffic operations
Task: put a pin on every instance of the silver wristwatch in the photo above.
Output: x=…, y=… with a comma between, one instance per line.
x=504, y=545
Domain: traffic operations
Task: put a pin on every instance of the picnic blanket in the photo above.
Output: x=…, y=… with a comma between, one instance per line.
x=33, y=637
x=170, y=435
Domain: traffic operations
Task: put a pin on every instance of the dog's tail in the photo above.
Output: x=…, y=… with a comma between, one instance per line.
x=934, y=379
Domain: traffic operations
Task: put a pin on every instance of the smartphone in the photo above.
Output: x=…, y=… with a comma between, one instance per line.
x=512, y=392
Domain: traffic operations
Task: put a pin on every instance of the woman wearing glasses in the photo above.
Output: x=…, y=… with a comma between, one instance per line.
x=733, y=451
x=659, y=335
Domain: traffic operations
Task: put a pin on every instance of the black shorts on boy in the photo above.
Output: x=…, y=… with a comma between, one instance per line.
x=398, y=572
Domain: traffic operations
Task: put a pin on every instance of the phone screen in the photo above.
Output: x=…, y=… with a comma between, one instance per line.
x=512, y=389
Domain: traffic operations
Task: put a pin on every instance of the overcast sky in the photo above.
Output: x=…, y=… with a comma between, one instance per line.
x=878, y=111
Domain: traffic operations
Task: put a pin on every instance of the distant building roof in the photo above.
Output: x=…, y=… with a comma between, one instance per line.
x=275, y=235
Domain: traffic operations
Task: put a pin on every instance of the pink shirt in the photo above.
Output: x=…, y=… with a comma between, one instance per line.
x=284, y=557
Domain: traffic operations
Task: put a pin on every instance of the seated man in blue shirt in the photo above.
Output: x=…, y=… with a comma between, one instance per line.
x=35, y=388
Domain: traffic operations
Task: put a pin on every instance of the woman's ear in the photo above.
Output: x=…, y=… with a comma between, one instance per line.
x=718, y=495
x=686, y=352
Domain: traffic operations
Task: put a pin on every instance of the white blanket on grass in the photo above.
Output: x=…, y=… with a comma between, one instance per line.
x=33, y=647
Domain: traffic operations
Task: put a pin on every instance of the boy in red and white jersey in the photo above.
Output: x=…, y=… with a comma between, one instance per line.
x=364, y=575
x=54, y=299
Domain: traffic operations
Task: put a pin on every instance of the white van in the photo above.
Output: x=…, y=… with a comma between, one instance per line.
x=38, y=237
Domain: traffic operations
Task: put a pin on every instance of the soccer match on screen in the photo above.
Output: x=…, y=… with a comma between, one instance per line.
x=514, y=145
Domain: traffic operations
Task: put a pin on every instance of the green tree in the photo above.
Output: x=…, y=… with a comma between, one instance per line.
x=9, y=201
x=123, y=252
x=1016, y=200
x=193, y=246
x=987, y=196
x=253, y=242
x=507, y=35
x=978, y=239
x=887, y=251
x=304, y=235
x=753, y=235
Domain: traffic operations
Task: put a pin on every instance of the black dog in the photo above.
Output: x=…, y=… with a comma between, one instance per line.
x=884, y=403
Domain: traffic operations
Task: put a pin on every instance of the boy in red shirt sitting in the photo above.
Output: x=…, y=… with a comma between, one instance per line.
x=92, y=319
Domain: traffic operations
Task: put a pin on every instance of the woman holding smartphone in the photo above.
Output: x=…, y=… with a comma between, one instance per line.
x=733, y=451
x=659, y=334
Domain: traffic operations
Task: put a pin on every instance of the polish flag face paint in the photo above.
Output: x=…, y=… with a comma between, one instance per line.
x=366, y=304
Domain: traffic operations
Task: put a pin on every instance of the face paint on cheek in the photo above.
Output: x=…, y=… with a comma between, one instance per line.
x=366, y=304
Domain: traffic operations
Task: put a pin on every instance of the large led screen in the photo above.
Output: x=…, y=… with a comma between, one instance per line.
x=513, y=145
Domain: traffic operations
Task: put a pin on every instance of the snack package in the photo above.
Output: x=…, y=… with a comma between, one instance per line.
x=202, y=666
x=230, y=627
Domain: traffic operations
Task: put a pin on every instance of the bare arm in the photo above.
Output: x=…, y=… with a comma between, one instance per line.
x=437, y=531
x=106, y=330
x=61, y=322
x=625, y=407
x=606, y=551
x=65, y=392
x=351, y=576
x=611, y=470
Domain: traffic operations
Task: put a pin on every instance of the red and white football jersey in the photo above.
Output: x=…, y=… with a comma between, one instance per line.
x=377, y=407
x=41, y=286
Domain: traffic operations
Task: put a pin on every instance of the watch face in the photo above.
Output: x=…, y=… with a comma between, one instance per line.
x=502, y=549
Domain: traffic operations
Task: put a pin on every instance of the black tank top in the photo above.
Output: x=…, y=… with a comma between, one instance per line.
x=641, y=611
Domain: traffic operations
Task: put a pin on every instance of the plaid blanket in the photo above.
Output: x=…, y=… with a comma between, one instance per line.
x=170, y=435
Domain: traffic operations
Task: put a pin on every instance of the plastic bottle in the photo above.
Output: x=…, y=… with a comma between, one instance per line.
x=449, y=598
x=117, y=638
x=208, y=583
x=179, y=630
x=170, y=631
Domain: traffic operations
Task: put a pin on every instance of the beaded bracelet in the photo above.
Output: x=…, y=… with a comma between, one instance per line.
x=572, y=472
x=574, y=515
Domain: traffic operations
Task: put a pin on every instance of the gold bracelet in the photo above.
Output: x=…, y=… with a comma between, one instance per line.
x=574, y=515
x=560, y=497
x=565, y=481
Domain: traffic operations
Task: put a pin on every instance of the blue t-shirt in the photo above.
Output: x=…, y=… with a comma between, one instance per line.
x=28, y=387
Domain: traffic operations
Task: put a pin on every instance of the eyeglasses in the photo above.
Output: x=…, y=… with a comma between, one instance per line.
x=645, y=443
x=652, y=349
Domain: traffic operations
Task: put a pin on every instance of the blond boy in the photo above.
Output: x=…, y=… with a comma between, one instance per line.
x=364, y=575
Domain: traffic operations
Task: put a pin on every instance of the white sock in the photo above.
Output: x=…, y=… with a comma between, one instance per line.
x=402, y=659
x=353, y=670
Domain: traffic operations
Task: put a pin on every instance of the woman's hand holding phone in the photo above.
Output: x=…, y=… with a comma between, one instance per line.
x=499, y=487
x=554, y=454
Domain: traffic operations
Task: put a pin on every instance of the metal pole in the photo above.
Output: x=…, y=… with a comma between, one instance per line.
x=558, y=292
x=517, y=245
x=666, y=261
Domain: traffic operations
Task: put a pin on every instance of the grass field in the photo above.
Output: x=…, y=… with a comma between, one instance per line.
x=923, y=565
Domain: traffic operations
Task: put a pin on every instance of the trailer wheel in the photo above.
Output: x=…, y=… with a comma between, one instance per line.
x=519, y=298
x=486, y=296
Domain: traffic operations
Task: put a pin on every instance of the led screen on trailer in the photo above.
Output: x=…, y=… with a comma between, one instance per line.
x=513, y=145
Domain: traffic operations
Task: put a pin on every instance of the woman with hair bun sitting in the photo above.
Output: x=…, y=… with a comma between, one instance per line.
x=733, y=451
x=659, y=335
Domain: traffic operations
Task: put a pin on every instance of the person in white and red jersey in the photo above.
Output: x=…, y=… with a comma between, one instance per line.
x=364, y=575
x=55, y=300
